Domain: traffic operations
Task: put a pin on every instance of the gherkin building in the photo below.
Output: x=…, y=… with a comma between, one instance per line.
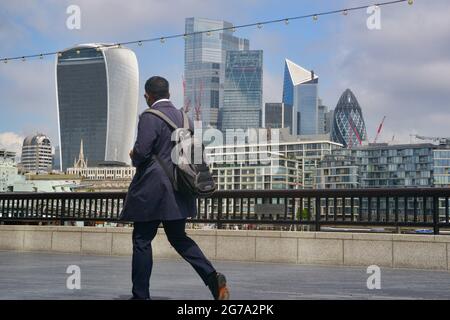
x=348, y=128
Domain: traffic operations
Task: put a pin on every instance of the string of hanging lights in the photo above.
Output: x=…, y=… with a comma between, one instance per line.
x=259, y=25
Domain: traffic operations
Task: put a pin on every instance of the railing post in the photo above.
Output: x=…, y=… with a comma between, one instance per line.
x=219, y=212
x=317, y=222
x=436, y=214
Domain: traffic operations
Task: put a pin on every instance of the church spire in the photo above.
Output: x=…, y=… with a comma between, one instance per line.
x=81, y=162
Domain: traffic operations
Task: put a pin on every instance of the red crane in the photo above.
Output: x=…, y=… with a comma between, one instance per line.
x=187, y=101
x=198, y=104
x=379, y=129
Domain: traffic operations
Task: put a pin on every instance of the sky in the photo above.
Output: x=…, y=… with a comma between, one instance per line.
x=401, y=71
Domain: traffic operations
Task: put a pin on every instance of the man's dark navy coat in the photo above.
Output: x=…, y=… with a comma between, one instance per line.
x=151, y=195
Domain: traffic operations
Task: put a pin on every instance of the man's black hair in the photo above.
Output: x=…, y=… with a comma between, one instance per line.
x=158, y=87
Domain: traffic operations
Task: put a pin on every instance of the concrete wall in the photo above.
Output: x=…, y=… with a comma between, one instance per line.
x=318, y=248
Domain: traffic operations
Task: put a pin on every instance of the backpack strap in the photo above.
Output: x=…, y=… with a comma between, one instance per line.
x=163, y=117
x=166, y=119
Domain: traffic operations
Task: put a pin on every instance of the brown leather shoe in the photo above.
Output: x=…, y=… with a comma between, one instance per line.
x=217, y=283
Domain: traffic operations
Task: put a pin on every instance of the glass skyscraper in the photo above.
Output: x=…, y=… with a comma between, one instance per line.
x=300, y=90
x=97, y=97
x=243, y=90
x=277, y=115
x=204, y=60
x=348, y=126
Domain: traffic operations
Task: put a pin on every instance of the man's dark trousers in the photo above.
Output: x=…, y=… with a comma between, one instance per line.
x=142, y=263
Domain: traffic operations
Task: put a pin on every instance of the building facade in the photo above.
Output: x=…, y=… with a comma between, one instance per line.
x=306, y=151
x=37, y=154
x=8, y=169
x=204, y=61
x=385, y=166
x=338, y=170
x=441, y=169
x=349, y=127
x=243, y=90
x=300, y=91
x=277, y=115
x=97, y=97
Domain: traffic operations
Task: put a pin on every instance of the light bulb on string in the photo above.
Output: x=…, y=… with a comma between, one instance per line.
x=23, y=59
x=410, y=2
x=59, y=54
x=259, y=25
x=286, y=21
x=140, y=43
x=78, y=51
x=162, y=40
x=233, y=29
x=208, y=33
x=315, y=17
x=41, y=56
x=345, y=12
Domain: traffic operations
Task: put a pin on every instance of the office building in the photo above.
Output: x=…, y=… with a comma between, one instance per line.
x=324, y=119
x=348, y=128
x=204, y=61
x=243, y=90
x=277, y=115
x=37, y=154
x=97, y=97
x=300, y=91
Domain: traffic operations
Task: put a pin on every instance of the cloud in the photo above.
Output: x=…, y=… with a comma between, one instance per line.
x=11, y=141
x=401, y=71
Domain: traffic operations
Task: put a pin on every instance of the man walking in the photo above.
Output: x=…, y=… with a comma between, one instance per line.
x=151, y=198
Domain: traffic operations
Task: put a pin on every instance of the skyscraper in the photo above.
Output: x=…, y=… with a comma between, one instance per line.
x=204, y=59
x=37, y=153
x=324, y=119
x=97, y=97
x=300, y=90
x=243, y=90
x=277, y=115
x=348, y=127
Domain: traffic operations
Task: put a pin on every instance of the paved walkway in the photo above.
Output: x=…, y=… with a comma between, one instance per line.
x=43, y=276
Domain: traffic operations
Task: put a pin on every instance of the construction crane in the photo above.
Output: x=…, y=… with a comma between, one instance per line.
x=441, y=140
x=187, y=102
x=198, y=104
x=379, y=130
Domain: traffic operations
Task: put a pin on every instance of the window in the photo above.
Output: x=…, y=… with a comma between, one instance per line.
x=214, y=99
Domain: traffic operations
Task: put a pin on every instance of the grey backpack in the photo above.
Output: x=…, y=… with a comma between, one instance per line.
x=191, y=173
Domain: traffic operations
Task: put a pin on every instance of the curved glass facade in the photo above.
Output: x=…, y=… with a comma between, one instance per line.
x=97, y=94
x=348, y=128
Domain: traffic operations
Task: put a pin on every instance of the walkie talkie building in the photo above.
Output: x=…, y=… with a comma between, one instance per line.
x=97, y=100
x=348, y=126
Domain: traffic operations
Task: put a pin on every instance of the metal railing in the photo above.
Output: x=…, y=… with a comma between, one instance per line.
x=402, y=207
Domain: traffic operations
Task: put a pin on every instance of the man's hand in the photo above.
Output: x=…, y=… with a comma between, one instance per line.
x=131, y=154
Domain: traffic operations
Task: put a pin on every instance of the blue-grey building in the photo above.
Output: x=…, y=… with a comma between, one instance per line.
x=243, y=90
x=97, y=97
x=204, y=60
x=277, y=115
x=300, y=90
